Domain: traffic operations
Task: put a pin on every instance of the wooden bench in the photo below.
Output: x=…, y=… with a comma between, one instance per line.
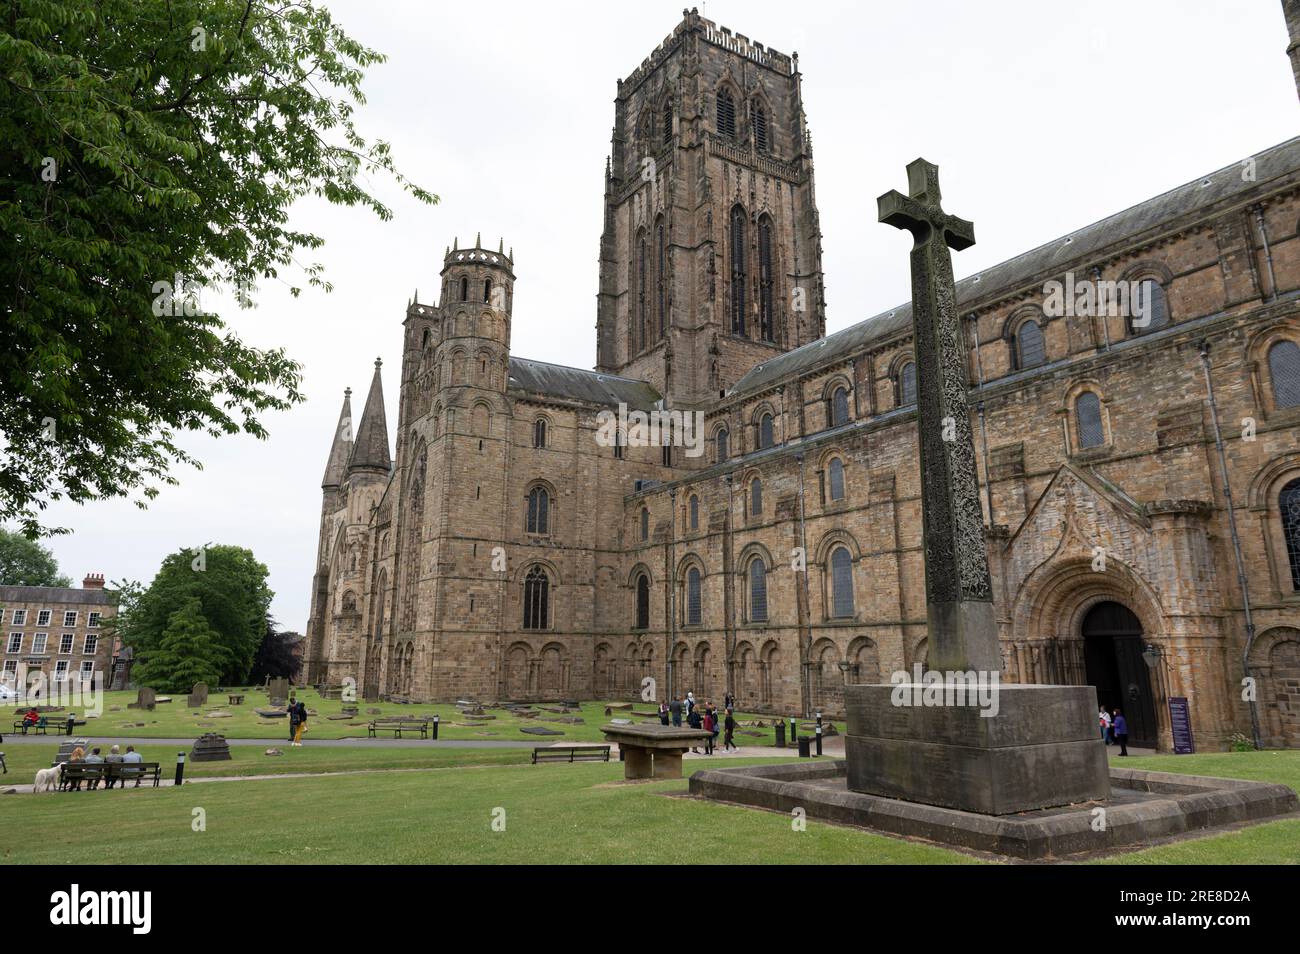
x=92, y=773
x=67, y=729
x=398, y=726
x=570, y=753
x=123, y=772
x=95, y=772
x=40, y=726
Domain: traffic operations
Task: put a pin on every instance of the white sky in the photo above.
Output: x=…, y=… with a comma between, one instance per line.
x=1043, y=117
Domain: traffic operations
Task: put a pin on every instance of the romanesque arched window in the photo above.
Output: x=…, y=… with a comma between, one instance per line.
x=464, y=289
x=1150, y=309
x=738, y=270
x=839, y=406
x=1284, y=372
x=694, y=509
x=766, y=281
x=661, y=277
x=765, y=432
x=539, y=511
x=907, y=384
x=841, y=582
x=645, y=524
x=487, y=291
x=539, y=432
x=835, y=479
x=642, y=601
x=721, y=441
x=1030, y=347
x=537, y=599
x=1288, y=504
x=1087, y=420
x=757, y=591
x=620, y=441
x=726, y=115
x=755, y=497
x=694, y=609
x=758, y=122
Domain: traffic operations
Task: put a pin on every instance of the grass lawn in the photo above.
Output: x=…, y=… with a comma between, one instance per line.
x=174, y=720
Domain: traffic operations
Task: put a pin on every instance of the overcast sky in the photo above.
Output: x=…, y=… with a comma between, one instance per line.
x=1043, y=116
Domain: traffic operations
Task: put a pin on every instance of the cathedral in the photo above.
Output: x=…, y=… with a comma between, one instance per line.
x=1139, y=469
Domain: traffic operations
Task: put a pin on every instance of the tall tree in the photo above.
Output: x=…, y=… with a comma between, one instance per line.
x=276, y=657
x=230, y=586
x=25, y=562
x=150, y=149
x=188, y=651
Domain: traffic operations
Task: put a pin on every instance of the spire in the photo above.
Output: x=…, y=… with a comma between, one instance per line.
x=478, y=240
x=341, y=449
x=370, y=449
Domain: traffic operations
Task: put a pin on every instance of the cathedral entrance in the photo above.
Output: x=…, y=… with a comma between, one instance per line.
x=1112, y=638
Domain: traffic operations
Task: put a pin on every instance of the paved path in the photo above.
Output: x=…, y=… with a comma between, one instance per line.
x=309, y=743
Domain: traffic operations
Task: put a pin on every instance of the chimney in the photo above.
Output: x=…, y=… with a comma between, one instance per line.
x=1291, y=10
x=93, y=581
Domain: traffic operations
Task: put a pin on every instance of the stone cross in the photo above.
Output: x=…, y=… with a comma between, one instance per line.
x=959, y=593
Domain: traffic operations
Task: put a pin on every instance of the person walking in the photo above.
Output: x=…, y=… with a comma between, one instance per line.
x=1120, y=726
x=676, y=709
x=293, y=720
x=1103, y=717
x=663, y=713
x=730, y=725
x=302, y=723
x=717, y=726
x=709, y=726
x=695, y=721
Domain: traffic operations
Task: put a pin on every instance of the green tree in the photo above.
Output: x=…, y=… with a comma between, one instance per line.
x=230, y=586
x=188, y=651
x=25, y=562
x=142, y=140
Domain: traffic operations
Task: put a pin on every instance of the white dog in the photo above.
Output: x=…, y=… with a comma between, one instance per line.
x=47, y=780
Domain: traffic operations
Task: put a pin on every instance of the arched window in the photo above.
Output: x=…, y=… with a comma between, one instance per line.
x=1151, y=308
x=694, y=509
x=738, y=271
x=643, y=268
x=539, y=433
x=839, y=407
x=1284, y=371
x=835, y=478
x=1087, y=420
x=755, y=497
x=1288, y=504
x=721, y=440
x=668, y=121
x=758, y=120
x=642, y=601
x=537, y=598
x=907, y=384
x=619, y=444
x=487, y=291
x=661, y=278
x=765, y=438
x=1031, y=350
x=464, y=289
x=645, y=524
x=539, y=511
x=693, y=602
x=841, y=582
x=667, y=455
x=757, y=591
x=766, y=282
x=726, y=115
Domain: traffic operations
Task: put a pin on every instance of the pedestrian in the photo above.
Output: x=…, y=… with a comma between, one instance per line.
x=1103, y=717
x=663, y=713
x=710, y=727
x=675, y=707
x=695, y=721
x=1120, y=727
x=730, y=725
x=728, y=701
x=690, y=703
x=717, y=726
x=293, y=719
x=302, y=723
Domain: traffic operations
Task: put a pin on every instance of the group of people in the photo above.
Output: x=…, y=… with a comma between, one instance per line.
x=1114, y=728
x=115, y=754
x=703, y=716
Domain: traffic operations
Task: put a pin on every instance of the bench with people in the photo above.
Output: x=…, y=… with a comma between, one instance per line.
x=117, y=769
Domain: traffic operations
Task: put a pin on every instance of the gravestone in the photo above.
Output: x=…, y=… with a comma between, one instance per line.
x=278, y=691
x=198, y=696
x=210, y=747
x=145, y=698
x=1039, y=748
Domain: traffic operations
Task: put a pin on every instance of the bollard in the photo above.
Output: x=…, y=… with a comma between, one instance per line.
x=819, y=735
x=803, y=747
x=794, y=732
x=180, y=767
x=435, y=727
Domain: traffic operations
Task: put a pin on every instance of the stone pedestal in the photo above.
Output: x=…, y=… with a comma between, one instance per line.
x=1041, y=749
x=652, y=750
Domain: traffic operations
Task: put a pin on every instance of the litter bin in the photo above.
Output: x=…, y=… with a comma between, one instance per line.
x=780, y=734
x=804, y=747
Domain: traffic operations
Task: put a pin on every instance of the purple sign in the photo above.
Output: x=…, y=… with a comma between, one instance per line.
x=1180, y=724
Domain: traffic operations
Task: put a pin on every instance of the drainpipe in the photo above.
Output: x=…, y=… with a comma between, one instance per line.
x=1268, y=254
x=805, y=630
x=1236, y=541
x=979, y=406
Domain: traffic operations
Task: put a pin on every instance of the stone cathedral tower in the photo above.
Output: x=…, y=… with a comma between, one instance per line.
x=710, y=256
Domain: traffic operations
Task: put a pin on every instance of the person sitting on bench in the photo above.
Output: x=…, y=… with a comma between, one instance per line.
x=94, y=758
x=30, y=718
x=114, y=755
x=132, y=757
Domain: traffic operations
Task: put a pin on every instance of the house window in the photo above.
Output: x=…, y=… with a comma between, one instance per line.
x=738, y=271
x=87, y=668
x=20, y=617
x=839, y=407
x=1284, y=370
x=1087, y=419
x=1288, y=503
x=645, y=524
x=1030, y=348
x=841, y=582
x=61, y=670
x=43, y=618
x=907, y=384
x=70, y=619
x=92, y=620
x=39, y=642
x=835, y=478
x=694, y=511
x=726, y=115
x=755, y=497
x=721, y=441
x=11, y=669
x=1151, y=308
x=15, y=643
x=537, y=596
x=539, y=433
x=693, y=607
x=65, y=644
x=539, y=511
x=757, y=592
x=642, y=601
x=90, y=645
x=765, y=438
